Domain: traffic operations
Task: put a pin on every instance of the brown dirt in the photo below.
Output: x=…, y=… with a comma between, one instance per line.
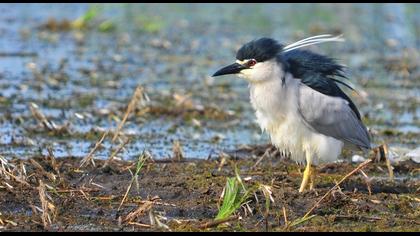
x=184, y=195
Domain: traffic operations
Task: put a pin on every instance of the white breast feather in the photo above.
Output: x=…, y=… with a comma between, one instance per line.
x=276, y=112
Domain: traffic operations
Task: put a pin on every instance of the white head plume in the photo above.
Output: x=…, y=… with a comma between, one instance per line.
x=313, y=40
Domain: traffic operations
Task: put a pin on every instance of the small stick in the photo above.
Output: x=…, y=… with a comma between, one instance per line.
x=362, y=165
x=90, y=155
x=217, y=222
x=134, y=99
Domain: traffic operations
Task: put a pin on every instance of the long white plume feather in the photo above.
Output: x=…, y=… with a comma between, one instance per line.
x=313, y=40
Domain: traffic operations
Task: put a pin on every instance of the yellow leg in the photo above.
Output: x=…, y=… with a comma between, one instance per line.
x=306, y=176
x=312, y=178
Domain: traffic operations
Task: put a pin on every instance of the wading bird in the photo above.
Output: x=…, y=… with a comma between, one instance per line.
x=297, y=100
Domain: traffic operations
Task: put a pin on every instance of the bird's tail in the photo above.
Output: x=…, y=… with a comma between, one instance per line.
x=313, y=40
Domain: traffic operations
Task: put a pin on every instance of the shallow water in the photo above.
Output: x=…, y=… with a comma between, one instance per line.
x=173, y=49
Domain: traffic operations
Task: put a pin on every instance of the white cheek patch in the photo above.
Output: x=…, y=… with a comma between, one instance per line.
x=246, y=72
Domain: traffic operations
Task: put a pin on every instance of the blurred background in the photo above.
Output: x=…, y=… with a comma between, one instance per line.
x=68, y=72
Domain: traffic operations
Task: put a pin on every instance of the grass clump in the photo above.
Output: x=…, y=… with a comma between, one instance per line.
x=233, y=197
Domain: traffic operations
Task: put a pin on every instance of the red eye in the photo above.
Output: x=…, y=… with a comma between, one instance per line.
x=252, y=62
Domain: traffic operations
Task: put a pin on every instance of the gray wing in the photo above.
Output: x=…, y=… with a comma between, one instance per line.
x=332, y=116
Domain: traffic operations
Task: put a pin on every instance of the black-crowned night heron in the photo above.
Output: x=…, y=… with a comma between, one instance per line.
x=297, y=100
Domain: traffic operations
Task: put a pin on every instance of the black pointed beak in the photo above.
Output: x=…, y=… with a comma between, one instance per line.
x=230, y=69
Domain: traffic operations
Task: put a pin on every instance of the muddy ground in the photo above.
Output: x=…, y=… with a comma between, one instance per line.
x=69, y=75
x=184, y=195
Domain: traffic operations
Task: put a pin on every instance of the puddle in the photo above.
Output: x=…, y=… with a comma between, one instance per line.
x=89, y=71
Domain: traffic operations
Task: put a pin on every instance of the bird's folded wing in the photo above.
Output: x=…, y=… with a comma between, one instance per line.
x=331, y=116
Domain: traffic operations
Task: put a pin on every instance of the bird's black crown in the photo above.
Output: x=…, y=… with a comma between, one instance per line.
x=261, y=50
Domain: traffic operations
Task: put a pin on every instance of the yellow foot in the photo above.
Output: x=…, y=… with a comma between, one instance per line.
x=308, y=177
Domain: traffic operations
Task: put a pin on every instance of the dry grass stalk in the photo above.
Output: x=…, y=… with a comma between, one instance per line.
x=178, y=154
x=137, y=96
x=183, y=100
x=46, y=205
x=54, y=164
x=49, y=125
x=384, y=149
x=266, y=153
x=5, y=164
x=49, y=175
x=84, y=195
x=286, y=222
x=145, y=207
x=154, y=221
x=89, y=157
x=217, y=222
x=11, y=222
x=52, y=160
x=155, y=202
x=223, y=159
x=361, y=166
x=110, y=158
x=142, y=159
x=7, y=174
x=140, y=224
x=367, y=180
x=76, y=190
